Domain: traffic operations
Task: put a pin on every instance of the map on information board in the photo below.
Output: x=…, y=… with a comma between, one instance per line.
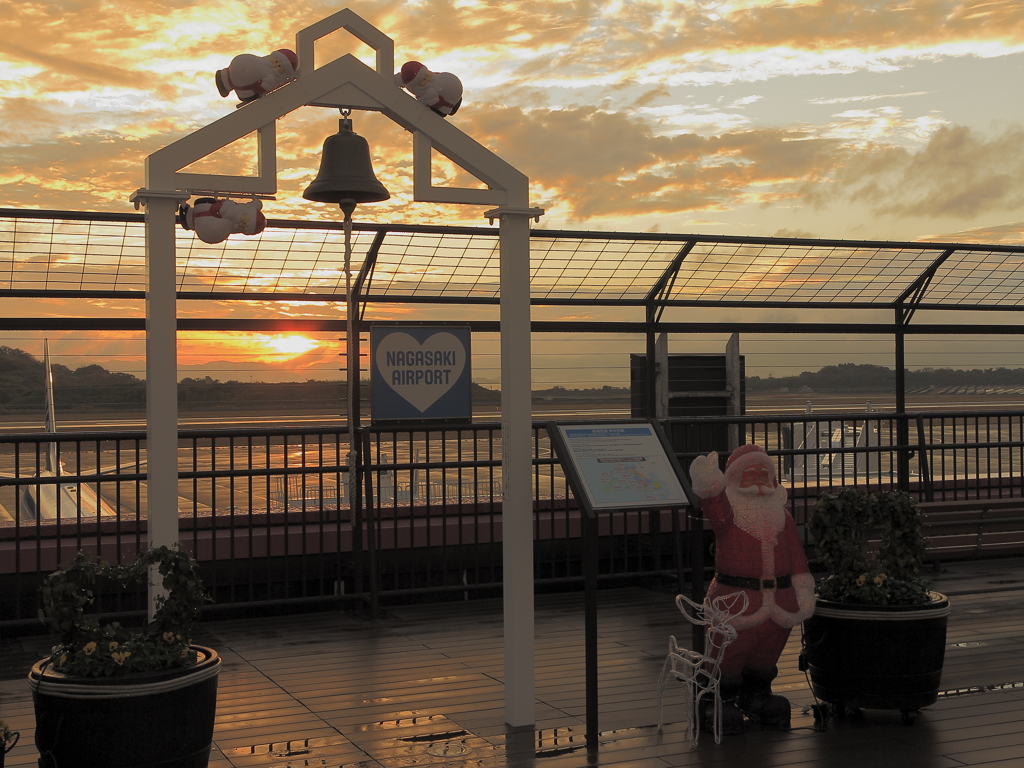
x=621, y=466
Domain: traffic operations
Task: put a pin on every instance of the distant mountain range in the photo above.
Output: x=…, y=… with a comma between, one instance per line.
x=92, y=387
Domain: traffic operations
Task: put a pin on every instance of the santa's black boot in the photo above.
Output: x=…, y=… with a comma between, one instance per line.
x=732, y=717
x=757, y=701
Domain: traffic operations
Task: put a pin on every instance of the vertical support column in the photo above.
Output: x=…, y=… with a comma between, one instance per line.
x=516, y=461
x=734, y=382
x=902, y=426
x=661, y=384
x=591, y=662
x=161, y=377
x=650, y=371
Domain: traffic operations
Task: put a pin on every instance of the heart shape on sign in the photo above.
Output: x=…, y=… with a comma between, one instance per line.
x=421, y=373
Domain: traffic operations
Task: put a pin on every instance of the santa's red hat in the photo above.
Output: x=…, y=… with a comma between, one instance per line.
x=292, y=58
x=745, y=456
x=409, y=71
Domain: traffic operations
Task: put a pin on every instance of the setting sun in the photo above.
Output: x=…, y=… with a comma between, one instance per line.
x=287, y=346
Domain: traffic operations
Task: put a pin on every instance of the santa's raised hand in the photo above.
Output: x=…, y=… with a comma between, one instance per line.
x=707, y=479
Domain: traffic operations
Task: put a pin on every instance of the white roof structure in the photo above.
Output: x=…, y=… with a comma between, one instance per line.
x=346, y=84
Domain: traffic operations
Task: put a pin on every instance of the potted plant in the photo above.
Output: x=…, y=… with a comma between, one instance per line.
x=8, y=739
x=878, y=635
x=104, y=684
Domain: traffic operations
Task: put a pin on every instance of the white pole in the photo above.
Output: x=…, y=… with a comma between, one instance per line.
x=161, y=377
x=516, y=455
x=52, y=460
x=352, y=404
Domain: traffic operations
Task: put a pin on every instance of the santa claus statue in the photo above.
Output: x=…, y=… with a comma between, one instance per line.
x=441, y=91
x=251, y=76
x=214, y=220
x=757, y=551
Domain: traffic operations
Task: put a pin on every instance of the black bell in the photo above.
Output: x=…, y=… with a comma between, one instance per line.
x=345, y=171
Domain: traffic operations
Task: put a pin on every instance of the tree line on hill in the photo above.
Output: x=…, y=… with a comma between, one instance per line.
x=862, y=377
x=92, y=387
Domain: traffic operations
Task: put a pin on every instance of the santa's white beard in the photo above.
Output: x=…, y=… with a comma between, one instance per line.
x=763, y=516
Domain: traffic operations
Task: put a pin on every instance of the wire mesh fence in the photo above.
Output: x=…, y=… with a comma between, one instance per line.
x=278, y=515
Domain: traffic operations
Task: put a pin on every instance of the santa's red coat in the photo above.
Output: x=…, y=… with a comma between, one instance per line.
x=761, y=639
x=738, y=553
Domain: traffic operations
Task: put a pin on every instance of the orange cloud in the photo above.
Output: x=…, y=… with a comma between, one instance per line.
x=583, y=96
x=959, y=173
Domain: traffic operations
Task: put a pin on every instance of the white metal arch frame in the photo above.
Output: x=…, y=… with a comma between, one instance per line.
x=348, y=83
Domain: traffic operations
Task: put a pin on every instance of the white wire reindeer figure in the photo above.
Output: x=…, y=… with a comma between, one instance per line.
x=699, y=672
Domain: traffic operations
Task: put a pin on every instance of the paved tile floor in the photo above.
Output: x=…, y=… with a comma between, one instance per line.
x=423, y=686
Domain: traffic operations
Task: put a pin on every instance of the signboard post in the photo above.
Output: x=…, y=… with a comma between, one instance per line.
x=611, y=467
x=420, y=373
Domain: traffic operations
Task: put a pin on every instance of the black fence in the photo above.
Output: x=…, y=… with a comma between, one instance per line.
x=286, y=518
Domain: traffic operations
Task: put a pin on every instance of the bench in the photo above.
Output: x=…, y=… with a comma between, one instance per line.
x=969, y=528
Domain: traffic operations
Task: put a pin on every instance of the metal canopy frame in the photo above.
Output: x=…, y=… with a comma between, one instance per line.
x=68, y=254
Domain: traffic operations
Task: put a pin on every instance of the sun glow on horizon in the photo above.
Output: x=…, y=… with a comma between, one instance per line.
x=268, y=348
x=284, y=347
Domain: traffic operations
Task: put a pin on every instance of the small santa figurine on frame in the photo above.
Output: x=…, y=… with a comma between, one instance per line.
x=214, y=220
x=251, y=76
x=757, y=551
x=441, y=91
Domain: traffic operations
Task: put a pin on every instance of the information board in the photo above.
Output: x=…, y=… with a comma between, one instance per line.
x=621, y=465
x=624, y=465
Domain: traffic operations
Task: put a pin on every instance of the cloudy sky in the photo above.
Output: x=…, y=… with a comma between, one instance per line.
x=836, y=118
x=894, y=120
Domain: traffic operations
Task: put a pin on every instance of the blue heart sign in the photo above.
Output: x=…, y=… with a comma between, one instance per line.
x=420, y=373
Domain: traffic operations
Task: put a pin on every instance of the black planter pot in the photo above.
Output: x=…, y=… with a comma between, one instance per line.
x=149, y=720
x=877, y=657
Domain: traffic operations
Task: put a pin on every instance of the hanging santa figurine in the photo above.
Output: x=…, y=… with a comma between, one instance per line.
x=441, y=91
x=251, y=76
x=214, y=220
x=757, y=551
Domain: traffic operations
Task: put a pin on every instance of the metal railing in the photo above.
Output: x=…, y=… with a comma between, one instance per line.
x=266, y=511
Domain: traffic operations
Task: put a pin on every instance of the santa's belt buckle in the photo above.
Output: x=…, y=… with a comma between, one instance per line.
x=767, y=585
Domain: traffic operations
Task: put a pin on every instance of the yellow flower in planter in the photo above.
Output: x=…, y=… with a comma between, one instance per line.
x=89, y=648
x=120, y=657
x=879, y=579
x=861, y=579
x=112, y=646
x=168, y=637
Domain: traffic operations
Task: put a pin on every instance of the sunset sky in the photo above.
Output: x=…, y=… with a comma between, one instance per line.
x=882, y=120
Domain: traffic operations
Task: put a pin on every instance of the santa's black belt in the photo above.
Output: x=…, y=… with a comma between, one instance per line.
x=747, y=582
